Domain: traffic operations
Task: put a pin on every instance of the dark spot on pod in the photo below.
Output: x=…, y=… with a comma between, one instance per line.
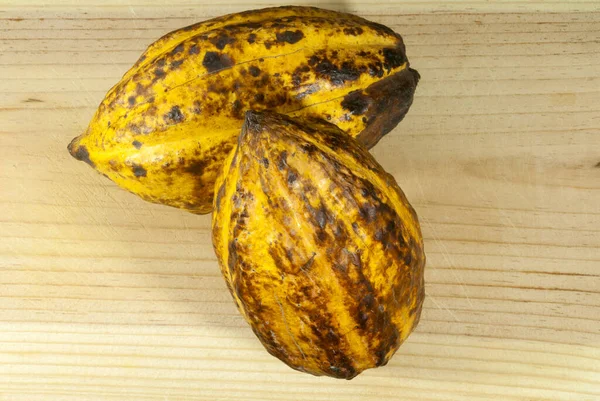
x=363, y=317
x=138, y=170
x=259, y=97
x=214, y=61
x=291, y=177
x=135, y=129
x=237, y=201
x=159, y=73
x=196, y=167
x=339, y=231
x=265, y=162
x=237, y=107
x=393, y=58
x=290, y=37
x=263, y=81
x=178, y=49
x=261, y=60
x=139, y=89
x=197, y=109
x=221, y=41
x=282, y=162
x=341, y=268
x=368, y=189
x=356, y=102
x=354, y=258
x=141, y=59
x=337, y=76
x=320, y=237
x=220, y=196
x=321, y=217
x=368, y=301
x=137, y=144
x=368, y=212
x=176, y=64
x=268, y=44
x=380, y=354
x=289, y=254
x=217, y=87
x=299, y=75
x=174, y=116
x=194, y=50
x=254, y=71
x=161, y=63
x=376, y=70
x=355, y=31
x=308, y=148
x=232, y=259
x=408, y=258
x=131, y=100
x=252, y=38
x=81, y=154
x=152, y=110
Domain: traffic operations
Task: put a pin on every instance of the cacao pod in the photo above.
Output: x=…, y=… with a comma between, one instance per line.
x=163, y=131
x=320, y=248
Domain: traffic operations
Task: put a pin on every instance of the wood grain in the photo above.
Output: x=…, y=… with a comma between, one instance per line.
x=105, y=297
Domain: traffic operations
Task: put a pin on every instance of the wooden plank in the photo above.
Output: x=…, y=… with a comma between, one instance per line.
x=106, y=297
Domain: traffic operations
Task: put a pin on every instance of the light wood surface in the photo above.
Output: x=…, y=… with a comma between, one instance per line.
x=105, y=297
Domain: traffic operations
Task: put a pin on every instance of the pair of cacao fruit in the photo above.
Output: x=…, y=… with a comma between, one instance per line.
x=320, y=248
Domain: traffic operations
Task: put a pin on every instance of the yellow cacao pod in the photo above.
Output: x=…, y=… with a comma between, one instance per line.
x=163, y=131
x=319, y=246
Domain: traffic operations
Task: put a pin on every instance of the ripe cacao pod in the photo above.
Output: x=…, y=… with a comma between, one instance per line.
x=164, y=130
x=320, y=248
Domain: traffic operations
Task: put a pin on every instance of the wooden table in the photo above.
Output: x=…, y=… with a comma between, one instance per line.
x=105, y=297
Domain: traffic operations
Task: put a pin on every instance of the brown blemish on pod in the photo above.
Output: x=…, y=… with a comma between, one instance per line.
x=138, y=170
x=174, y=116
x=222, y=41
x=290, y=37
x=214, y=61
x=80, y=152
